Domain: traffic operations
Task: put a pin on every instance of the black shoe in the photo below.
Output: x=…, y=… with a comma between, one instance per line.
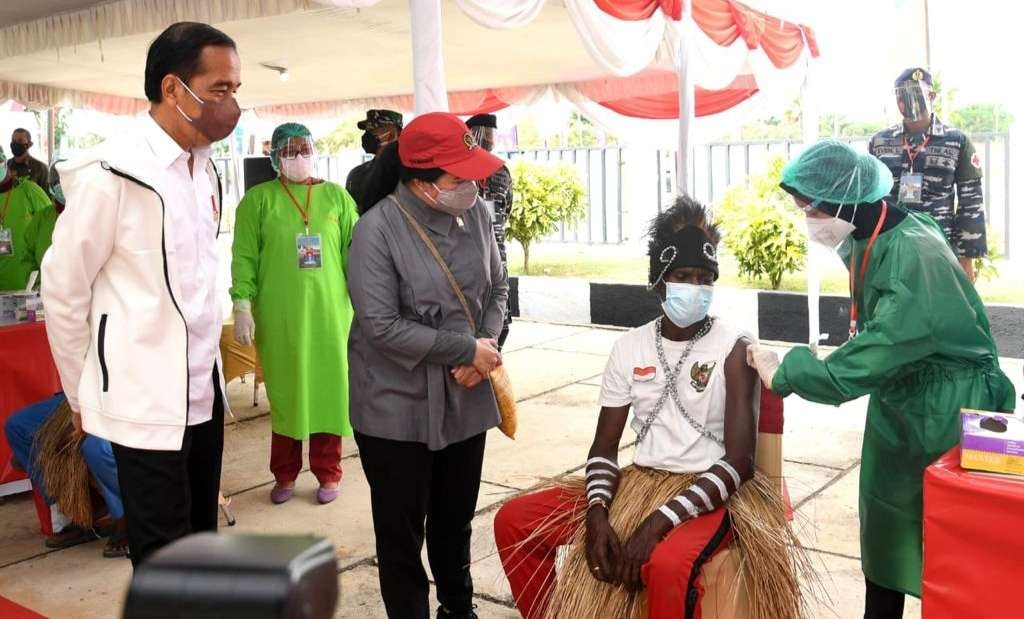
x=444, y=613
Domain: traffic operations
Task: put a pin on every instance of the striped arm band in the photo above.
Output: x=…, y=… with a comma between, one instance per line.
x=598, y=483
x=704, y=498
x=731, y=471
x=596, y=492
x=591, y=473
x=600, y=460
x=687, y=505
x=671, y=515
x=715, y=479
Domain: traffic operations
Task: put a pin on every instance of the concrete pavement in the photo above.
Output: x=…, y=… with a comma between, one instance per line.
x=556, y=372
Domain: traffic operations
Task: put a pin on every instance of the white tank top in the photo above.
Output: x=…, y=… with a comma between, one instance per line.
x=635, y=377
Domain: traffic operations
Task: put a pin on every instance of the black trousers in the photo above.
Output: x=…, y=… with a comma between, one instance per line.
x=882, y=603
x=409, y=486
x=170, y=494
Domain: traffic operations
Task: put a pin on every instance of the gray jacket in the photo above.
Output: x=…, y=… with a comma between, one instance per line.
x=410, y=329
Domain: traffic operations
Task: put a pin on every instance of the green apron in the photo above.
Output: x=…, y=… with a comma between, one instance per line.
x=302, y=315
x=923, y=351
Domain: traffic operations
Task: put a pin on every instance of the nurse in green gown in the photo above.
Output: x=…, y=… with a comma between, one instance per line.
x=920, y=347
x=39, y=233
x=290, y=296
x=20, y=200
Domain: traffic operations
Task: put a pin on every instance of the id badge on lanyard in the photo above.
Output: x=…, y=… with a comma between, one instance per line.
x=308, y=248
x=912, y=183
x=6, y=242
x=6, y=234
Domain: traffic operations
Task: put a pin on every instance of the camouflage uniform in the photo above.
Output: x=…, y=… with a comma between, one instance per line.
x=947, y=158
x=498, y=189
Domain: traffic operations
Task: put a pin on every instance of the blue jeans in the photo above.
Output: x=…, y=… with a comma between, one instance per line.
x=21, y=429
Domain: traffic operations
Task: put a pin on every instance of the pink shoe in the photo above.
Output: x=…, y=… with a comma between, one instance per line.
x=326, y=495
x=280, y=495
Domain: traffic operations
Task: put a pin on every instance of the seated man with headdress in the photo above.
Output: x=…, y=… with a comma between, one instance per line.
x=641, y=538
x=74, y=471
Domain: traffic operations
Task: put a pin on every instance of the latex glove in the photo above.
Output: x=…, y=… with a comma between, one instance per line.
x=765, y=361
x=245, y=326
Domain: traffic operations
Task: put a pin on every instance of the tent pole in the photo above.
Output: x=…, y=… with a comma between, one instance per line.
x=52, y=114
x=816, y=255
x=686, y=103
x=430, y=91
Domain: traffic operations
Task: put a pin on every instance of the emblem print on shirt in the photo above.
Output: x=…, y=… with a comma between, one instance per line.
x=644, y=375
x=700, y=374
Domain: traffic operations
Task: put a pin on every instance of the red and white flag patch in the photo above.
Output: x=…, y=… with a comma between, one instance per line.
x=644, y=375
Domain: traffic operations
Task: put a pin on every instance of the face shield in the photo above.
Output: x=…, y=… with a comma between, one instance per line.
x=913, y=98
x=296, y=158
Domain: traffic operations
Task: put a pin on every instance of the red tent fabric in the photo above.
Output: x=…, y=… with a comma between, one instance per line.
x=725, y=21
x=650, y=94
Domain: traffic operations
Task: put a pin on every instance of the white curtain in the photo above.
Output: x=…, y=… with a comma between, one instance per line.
x=621, y=47
x=123, y=18
x=501, y=14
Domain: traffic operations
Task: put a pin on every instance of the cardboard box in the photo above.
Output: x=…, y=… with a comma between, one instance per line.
x=992, y=442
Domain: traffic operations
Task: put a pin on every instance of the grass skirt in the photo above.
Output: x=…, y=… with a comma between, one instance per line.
x=770, y=557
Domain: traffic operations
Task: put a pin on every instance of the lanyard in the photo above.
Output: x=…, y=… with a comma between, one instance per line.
x=304, y=213
x=863, y=269
x=912, y=154
x=7, y=201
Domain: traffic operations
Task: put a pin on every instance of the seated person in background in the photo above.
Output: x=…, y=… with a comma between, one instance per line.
x=29, y=432
x=694, y=409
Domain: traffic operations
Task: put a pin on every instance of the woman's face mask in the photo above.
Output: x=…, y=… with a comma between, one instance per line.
x=829, y=231
x=298, y=169
x=686, y=304
x=455, y=201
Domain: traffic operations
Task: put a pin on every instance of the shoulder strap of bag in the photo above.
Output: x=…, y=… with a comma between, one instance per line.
x=440, y=261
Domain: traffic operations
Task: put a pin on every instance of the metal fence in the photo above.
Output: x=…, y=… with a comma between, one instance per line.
x=600, y=171
x=717, y=166
x=714, y=168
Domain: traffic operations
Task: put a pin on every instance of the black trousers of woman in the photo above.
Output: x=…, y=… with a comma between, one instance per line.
x=415, y=491
x=882, y=603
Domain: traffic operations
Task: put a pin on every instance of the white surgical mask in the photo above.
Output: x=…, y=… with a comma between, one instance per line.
x=686, y=304
x=298, y=169
x=830, y=231
x=456, y=201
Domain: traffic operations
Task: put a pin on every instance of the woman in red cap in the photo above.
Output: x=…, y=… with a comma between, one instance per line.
x=420, y=404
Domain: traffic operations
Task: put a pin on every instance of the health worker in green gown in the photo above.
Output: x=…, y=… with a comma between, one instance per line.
x=39, y=233
x=20, y=200
x=290, y=295
x=920, y=346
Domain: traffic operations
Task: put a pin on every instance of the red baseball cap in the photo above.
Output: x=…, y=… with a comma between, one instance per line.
x=442, y=140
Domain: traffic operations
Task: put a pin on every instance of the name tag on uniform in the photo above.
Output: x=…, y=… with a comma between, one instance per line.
x=911, y=186
x=6, y=242
x=645, y=375
x=308, y=248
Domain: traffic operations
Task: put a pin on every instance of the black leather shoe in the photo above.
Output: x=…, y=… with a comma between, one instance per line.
x=444, y=613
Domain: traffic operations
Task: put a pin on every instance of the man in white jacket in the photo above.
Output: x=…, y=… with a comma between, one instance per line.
x=130, y=290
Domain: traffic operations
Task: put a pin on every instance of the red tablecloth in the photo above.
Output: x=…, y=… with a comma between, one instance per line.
x=973, y=543
x=27, y=375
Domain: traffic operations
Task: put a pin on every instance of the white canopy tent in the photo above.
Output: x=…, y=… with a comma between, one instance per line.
x=348, y=55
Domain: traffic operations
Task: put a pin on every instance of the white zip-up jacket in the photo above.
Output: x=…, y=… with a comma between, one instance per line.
x=111, y=295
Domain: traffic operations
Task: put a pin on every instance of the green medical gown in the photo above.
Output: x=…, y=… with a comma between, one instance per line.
x=923, y=351
x=39, y=236
x=25, y=200
x=302, y=315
